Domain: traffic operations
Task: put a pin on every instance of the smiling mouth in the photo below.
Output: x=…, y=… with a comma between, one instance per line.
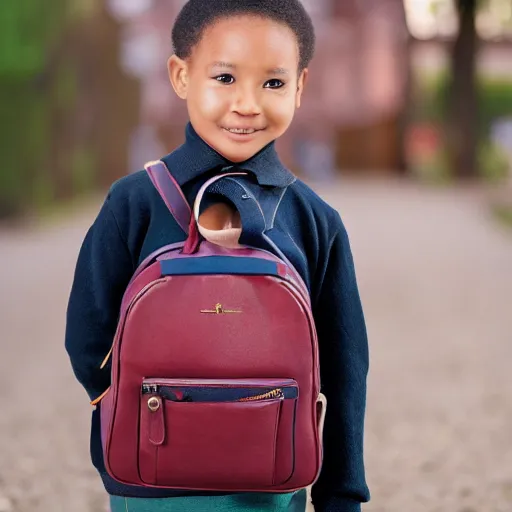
x=241, y=131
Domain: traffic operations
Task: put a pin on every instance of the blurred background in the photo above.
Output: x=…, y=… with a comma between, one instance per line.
x=406, y=128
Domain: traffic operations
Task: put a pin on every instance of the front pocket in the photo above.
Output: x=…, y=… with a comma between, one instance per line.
x=217, y=434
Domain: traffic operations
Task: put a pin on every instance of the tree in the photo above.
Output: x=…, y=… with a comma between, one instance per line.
x=462, y=123
x=27, y=35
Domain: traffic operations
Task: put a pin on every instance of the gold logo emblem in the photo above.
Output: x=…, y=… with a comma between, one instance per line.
x=219, y=310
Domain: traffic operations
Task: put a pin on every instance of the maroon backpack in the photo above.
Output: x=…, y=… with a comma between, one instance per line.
x=215, y=370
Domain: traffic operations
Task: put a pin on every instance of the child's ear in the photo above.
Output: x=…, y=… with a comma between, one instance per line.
x=178, y=75
x=300, y=87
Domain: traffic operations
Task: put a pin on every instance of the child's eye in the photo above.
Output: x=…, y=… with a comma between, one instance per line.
x=274, y=84
x=225, y=79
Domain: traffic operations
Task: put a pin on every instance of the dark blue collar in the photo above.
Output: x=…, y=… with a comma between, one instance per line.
x=195, y=158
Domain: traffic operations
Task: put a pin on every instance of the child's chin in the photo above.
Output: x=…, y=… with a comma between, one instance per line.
x=239, y=154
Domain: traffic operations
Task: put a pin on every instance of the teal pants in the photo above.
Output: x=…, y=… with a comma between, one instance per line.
x=295, y=502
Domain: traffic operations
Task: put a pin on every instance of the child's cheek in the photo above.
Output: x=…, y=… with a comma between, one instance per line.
x=212, y=103
x=280, y=111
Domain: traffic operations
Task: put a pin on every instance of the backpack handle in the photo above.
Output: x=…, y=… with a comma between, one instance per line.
x=202, y=190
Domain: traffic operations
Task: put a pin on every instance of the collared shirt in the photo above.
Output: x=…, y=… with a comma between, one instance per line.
x=134, y=222
x=195, y=158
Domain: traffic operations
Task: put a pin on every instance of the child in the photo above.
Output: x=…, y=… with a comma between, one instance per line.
x=241, y=66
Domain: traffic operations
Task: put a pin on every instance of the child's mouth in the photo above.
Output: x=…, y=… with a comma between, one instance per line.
x=241, y=133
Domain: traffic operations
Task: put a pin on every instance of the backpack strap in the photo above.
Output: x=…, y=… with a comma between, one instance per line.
x=170, y=192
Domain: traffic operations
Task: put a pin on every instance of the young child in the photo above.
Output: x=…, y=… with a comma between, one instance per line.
x=241, y=66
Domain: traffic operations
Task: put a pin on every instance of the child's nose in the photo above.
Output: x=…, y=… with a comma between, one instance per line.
x=247, y=103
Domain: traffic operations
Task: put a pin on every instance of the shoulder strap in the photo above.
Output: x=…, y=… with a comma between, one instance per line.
x=170, y=192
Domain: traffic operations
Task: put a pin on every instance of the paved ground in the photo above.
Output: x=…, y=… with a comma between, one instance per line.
x=435, y=275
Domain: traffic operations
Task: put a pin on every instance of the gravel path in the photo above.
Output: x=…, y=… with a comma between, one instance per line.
x=435, y=274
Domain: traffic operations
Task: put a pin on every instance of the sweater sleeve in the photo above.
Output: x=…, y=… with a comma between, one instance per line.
x=102, y=273
x=343, y=347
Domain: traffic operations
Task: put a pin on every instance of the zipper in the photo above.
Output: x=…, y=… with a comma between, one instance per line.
x=274, y=394
x=227, y=394
x=149, y=389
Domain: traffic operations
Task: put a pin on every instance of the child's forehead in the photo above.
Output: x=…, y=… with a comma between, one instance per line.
x=238, y=41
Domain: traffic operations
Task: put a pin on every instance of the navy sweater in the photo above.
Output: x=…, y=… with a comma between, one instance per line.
x=134, y=222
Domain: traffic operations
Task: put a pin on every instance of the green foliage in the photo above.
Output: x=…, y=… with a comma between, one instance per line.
x=494, y=102
x=30, y=33
x=27, y=29
x=25, y=139
x=22, y=38
x=495, y=99
x=492, y=162
x=503, y=214
x=83, y=168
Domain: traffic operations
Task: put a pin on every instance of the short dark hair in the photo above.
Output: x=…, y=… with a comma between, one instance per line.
x=197, y=15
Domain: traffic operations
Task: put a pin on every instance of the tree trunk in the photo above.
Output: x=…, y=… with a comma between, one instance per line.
x=462, y=136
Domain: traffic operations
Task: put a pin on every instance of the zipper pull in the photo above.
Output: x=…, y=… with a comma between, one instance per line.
x=156, y=419
x=101, y=397
x=107, y=357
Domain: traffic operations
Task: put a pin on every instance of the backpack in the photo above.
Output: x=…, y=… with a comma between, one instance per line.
x=215, y=368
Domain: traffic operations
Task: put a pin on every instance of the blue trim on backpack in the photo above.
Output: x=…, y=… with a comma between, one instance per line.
x=215, y=265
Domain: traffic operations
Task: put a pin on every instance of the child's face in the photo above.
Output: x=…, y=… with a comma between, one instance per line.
x=242, y=75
